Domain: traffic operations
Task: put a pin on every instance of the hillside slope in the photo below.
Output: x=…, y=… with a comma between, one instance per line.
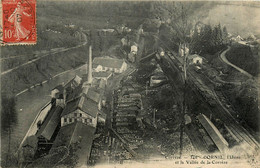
x=239, y=19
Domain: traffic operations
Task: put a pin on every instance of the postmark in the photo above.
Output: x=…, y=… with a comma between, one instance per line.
x=18, y=22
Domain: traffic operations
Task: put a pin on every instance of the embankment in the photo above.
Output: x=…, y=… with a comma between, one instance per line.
x=44, y=69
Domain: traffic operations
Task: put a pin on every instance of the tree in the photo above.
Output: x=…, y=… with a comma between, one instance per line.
x=217, y=36
x=8, y=119
x=182, y=26
x=225, y=35
x=196, y=41
x=207, y=39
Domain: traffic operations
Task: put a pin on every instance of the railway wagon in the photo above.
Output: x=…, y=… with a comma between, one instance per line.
x=209, y=143
x=214, y=133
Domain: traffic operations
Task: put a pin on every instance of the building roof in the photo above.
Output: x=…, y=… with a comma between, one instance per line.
x=77, y=135
x=50, y=123
x=60, y=88
x=76, y=81
x=193, y=56
x=102, y=114
x=82, y=103
x=93, y=95
x=102, y=74
x=102, y=84
x=75, y=93
x=90, y=107
x=88, y=91
x=108, y=62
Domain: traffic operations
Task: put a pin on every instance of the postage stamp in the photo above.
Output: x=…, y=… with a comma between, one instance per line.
x=18, y=22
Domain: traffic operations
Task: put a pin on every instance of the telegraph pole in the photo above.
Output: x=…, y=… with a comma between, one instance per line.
x=184, y=98
x=154, y=117
x=146, y=88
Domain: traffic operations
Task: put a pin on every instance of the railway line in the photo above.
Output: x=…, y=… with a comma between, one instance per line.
x=217, y=105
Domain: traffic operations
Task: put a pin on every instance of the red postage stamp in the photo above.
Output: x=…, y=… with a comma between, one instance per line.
x=18, y=22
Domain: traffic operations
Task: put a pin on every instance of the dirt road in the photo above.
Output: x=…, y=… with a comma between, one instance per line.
x=224, y=59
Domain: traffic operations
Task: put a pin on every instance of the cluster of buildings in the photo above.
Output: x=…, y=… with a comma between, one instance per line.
x=123, y=28
x=77, y=110
x=130, y=43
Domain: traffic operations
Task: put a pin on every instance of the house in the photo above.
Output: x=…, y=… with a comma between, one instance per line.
x=50, y=124
x=195, y=59
x=57, y=91
x=102, y=117
x=78, y=137
x=60, y=102
x=199, y=26
x=102, y=75
x=102, y=84
x=73, y=83
x=76, y=93
x=183, y=49
x=134, y=48
x=124, y=41
x=101, y=88
x=122, y=28
x=109, y=64
x=94, y=95
x=82, y=110
x=87, y=91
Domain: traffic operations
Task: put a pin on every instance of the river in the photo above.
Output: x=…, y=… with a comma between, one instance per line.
x=28, y=105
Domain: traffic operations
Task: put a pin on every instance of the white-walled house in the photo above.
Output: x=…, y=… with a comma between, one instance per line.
x=195, y=59
x=57, y=91
x=124, y=42
x=183, y=50
x=109, y=64
x=81, y=110
x=134, y=48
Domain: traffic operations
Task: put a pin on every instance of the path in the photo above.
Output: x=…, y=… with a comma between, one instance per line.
x=39, y=57
x=45, y=81
x=224, y=59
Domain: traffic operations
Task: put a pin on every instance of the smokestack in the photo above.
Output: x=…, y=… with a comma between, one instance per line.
x=90, y=65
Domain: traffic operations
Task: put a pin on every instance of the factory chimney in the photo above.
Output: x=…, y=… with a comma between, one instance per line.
x=90, y=65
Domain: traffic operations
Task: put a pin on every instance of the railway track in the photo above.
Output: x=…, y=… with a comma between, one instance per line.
x=218, y=108
x=238, y=130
